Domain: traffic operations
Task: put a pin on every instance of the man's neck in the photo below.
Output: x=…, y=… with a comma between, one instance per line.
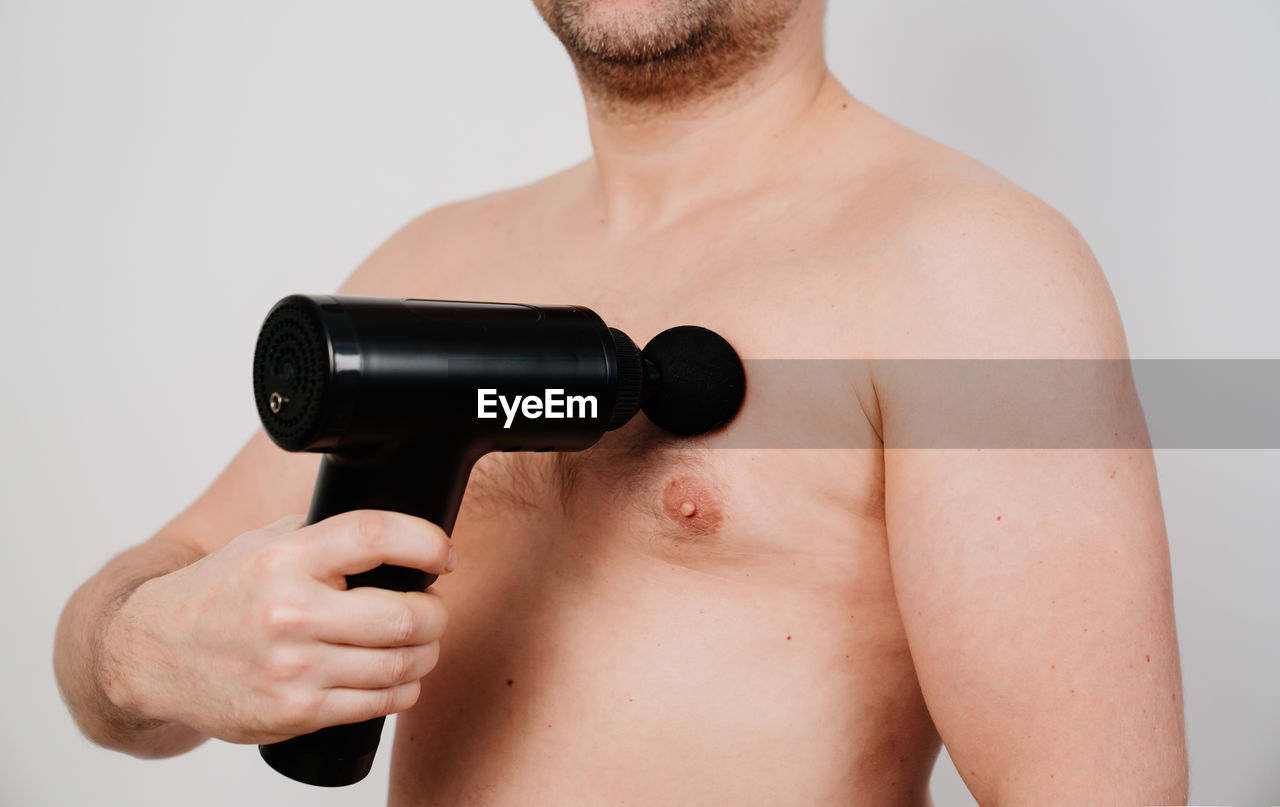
x=652, y=167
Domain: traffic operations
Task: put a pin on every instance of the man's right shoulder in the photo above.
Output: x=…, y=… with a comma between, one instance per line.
x=437, y=250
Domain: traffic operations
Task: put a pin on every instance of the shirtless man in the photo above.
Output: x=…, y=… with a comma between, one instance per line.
x=697, y=624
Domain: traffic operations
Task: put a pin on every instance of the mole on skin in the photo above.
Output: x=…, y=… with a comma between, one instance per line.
x=692, y=504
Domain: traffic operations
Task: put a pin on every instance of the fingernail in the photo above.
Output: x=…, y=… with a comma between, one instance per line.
x=452, y=562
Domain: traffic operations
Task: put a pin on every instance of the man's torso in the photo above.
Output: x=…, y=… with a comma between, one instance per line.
x=672, y=622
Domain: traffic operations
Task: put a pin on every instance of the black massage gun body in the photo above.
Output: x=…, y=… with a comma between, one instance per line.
x=403, y=396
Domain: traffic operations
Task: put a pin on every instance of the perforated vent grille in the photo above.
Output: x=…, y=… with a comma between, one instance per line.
x=291, y=375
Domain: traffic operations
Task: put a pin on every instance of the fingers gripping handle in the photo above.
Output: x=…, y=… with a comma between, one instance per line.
x=427, y=482
x=342, y=755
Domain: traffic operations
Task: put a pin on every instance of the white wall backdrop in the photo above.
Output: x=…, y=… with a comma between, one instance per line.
x=168, y=169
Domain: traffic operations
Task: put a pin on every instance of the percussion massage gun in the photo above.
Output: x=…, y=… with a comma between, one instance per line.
x=403, y=396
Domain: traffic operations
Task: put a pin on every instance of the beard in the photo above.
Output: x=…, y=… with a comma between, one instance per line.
x=662, y=54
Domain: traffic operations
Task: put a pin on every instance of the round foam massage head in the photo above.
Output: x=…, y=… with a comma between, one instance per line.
x=701, y=381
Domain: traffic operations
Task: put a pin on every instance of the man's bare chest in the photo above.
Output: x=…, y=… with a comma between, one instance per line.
x=703, y=501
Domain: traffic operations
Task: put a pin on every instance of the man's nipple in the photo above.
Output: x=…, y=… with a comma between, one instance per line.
x=692, y=504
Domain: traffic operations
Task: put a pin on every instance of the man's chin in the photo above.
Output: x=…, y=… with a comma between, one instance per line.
x=665, y=53
x=625, y=30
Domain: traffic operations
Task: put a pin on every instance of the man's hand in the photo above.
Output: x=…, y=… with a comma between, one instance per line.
x=260, y=640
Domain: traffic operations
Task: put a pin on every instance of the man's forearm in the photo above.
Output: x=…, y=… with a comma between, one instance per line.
x=82, y=669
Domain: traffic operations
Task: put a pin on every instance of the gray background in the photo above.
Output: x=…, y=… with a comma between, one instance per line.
x=168, y=169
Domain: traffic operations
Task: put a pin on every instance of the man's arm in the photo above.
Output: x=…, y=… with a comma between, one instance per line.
x=261, y=484
x=1034, y=584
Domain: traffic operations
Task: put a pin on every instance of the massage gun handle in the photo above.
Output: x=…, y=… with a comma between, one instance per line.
x=395, y=578
x=342, y=755
x=426, y=482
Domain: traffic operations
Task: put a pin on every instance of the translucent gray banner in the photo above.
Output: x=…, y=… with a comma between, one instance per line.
x=947, y=403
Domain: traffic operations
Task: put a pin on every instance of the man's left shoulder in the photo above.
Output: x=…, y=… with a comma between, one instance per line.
x=972, y=264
